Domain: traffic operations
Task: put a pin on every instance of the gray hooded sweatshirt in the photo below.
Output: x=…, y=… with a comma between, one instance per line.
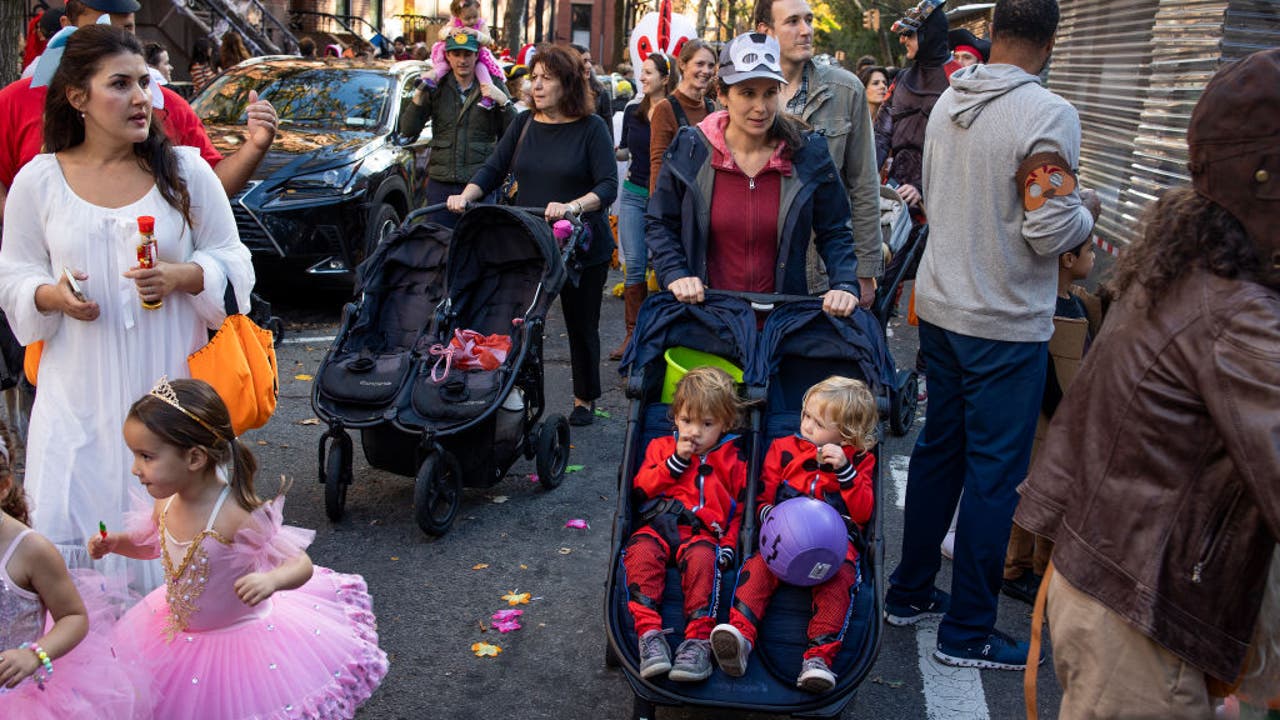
x=990, y=269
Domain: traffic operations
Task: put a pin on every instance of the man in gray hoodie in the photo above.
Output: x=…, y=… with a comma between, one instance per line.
x=1000, y=192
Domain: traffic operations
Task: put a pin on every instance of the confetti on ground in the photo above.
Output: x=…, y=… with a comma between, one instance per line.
x=533, y=477
x=499, y=499
x=572, y=468
x=309, y=421
x=507, y=614
x=578, y=524
x=484, y=649
x=603, y=413
x=506, y=626
x=565, y=550
x=303, y=376
x=394, y=558
x=480, y=566
x=524, y=567
x=515, y=597
x=262, y=442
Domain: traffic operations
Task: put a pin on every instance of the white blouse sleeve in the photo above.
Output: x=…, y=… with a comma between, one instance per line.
x=24, y=257
x=216, y=243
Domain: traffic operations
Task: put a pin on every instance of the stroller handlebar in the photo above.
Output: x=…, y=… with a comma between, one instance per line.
x=762, y=301
x=423, y=212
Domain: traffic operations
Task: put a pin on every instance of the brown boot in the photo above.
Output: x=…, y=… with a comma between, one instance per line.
x=633, y=296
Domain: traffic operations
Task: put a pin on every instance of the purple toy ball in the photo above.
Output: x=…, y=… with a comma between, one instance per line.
x=803, y=541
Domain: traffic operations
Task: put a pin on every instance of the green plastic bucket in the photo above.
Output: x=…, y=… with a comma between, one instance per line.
x=680, y=360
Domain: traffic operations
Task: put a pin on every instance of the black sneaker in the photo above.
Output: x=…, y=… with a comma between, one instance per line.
x=582, y=415
x=997, y=652
x=1024, y=587
x=904, y=615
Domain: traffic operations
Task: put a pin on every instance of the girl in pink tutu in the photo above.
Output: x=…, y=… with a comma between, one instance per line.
x=245, y=625
x=466, y=19
x=45, y=626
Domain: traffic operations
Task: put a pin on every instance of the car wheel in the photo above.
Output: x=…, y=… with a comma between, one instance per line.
x=383, y=220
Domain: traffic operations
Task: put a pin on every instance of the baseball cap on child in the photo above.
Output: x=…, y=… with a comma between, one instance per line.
x=749, y=56
x=461, y=41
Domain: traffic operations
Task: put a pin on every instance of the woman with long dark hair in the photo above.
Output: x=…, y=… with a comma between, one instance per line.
x=561, y=155
x=233, y=51
x=746, y=190
x=658, y=78
x=107, y=164
x=204, y=65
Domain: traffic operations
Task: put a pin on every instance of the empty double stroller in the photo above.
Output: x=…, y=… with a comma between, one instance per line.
x=397, y=374
x=798, y=346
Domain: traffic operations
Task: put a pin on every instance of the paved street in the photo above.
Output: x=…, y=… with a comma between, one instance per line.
x=434, y=598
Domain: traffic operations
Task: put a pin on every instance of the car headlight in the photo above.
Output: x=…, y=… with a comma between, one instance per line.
x=325, y=182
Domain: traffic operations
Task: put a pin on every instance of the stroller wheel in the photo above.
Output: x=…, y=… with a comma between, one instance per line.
x=337, y=476
x=642, y=709
x=437, y=494
x=904, y=403
x=552, y=453
x=610, y=657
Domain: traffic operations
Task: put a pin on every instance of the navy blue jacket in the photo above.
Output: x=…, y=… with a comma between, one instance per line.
x=814, y=204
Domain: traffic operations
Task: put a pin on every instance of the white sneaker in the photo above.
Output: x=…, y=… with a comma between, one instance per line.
x=949, y=545
x=731, y=649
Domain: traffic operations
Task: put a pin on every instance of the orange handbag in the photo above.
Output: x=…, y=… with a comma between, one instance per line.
x=240, y=363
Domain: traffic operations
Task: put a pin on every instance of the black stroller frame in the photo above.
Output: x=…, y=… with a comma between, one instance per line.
x=768, y=685
x=411, y=436
x=904, y=400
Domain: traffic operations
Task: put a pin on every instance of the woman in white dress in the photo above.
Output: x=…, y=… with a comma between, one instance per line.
x=76, y=207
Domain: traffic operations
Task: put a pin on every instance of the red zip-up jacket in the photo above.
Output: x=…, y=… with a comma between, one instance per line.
x=792, y=460
x=708, y=485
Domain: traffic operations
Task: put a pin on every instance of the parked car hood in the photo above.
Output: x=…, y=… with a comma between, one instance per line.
x=297, y=151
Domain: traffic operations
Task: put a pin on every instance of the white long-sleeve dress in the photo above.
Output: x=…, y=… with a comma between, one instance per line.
x=78, y=466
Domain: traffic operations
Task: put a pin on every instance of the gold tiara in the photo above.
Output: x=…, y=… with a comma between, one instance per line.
x=164, y=391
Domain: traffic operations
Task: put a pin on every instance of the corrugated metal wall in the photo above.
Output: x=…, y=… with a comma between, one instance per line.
x=1134, y=69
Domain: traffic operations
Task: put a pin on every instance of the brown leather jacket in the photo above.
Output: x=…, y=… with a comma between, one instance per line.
x=1160, y=478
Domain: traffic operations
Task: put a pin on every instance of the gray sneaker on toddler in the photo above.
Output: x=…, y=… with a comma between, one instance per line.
x=693, y=661
x=655, y=654
x=815, y=676
x=731, y=649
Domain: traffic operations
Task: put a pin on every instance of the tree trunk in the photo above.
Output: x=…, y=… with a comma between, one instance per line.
x=702, y=17
x=539, y=8
x=13, y=25
x=514, y=22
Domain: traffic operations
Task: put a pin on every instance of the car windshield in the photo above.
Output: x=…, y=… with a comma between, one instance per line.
x=323, y=98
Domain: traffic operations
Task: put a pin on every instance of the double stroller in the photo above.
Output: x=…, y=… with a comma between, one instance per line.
x=798, y=346
x=393, y=374
x=904, y=241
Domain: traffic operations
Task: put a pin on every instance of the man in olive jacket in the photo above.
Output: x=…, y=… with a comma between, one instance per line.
x=464, y=132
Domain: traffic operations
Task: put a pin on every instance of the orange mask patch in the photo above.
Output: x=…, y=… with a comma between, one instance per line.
x=1043, y=176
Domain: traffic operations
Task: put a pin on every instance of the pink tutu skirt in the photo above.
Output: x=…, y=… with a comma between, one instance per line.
x=96, y=679
x=313, y=654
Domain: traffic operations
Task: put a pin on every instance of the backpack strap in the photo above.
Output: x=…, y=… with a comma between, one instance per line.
x=682, y=120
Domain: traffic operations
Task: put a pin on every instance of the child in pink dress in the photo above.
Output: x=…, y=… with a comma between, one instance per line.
x=45, y=626
x=245, y=626
x=466, y=18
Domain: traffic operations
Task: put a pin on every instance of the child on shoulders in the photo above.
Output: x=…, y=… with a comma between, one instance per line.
x=830, y=460
x=687, y=489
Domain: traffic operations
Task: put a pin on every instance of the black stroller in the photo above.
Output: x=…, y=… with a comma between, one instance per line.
x=906, y=242
x=448, y=425
x=361, y=377
x=798, y=346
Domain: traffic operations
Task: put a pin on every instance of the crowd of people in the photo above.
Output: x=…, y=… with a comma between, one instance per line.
x=752, y=168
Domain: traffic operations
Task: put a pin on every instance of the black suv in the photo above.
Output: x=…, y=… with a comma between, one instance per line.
x=338, y=177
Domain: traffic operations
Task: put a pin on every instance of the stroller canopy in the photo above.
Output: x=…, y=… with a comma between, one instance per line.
x=722, y=325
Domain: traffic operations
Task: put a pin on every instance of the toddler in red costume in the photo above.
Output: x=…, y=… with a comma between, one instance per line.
x=829, y=459
x=687, y=489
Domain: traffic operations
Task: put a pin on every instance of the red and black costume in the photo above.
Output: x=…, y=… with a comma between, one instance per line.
x=688, y=508
x=790, y=470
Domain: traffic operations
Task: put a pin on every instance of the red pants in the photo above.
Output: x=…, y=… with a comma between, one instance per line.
x=646, y=559
x=832, y=603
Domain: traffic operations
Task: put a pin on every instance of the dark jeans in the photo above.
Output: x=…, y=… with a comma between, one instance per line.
x=437, y=192
x=984, y=398
x=581, y=306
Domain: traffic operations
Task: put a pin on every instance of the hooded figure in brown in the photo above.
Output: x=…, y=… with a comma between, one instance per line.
x=1158, y=480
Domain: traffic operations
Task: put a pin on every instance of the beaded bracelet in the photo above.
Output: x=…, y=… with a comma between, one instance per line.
x=43, y=657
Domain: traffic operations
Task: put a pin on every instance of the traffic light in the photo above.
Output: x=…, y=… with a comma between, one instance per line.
x=866, y=19
x=875, y=18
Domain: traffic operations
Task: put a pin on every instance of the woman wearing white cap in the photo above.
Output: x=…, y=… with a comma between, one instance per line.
x=743, y=193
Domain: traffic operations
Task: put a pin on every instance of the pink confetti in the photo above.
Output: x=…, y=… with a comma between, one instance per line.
x=578, y=524
x=506, y=626
x=505, y=615
x=533, y=477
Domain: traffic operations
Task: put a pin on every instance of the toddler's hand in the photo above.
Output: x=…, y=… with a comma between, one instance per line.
x=100, y=547
x=254, y=588
x=832, y=454
x=17, y=665
x=724, y=558
x=684, y=448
